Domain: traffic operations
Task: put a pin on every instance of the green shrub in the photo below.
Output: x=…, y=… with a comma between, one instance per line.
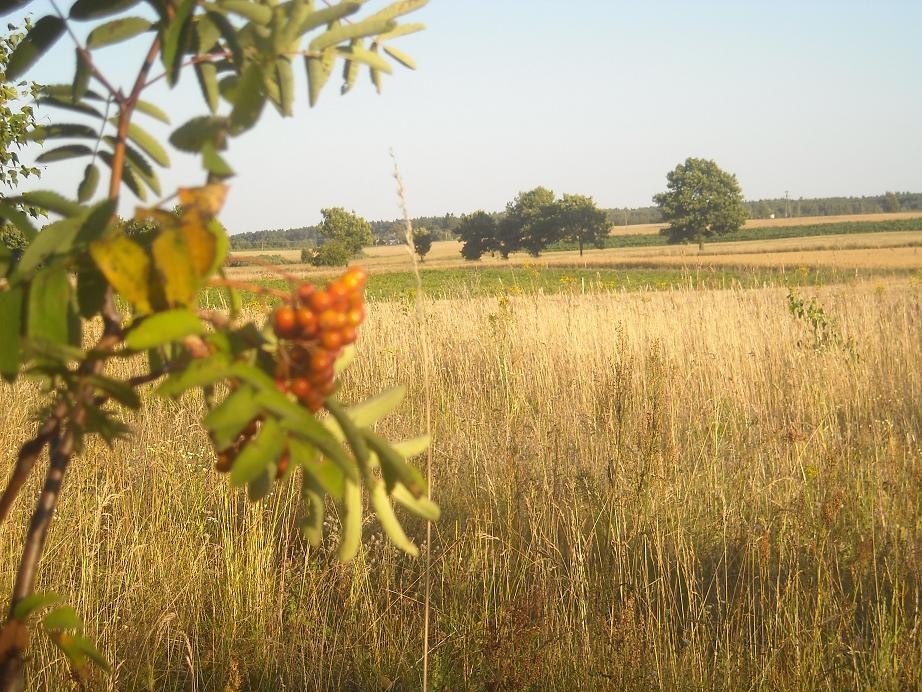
x=333, y=253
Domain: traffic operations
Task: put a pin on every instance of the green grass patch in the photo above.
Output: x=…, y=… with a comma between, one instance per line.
x=763, y=233
x=493, y=281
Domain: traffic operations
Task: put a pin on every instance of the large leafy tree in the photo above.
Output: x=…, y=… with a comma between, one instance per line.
x=477, y=233
x=702, y=200
x=529, y=224
x=346, y=228
x=17, y=129
x=581, y=221
x=422, y=242
x=269, y=387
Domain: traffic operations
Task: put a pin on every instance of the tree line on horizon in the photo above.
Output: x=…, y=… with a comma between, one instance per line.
x=443, y=227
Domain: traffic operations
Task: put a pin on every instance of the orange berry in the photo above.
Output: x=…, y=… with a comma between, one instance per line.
x=339, y=295
x=331, y=319
x=321, y=383
x=327, y=388
x=305, y=291
x=354, y=317
x=331, y=340
x=349, y=334
x=283, y=465
x=224, y=462
x=321, y=360
x=300, y=387
x=320, y=301
x=281, y=385
x=354, y=279
x=314, y=402
x=307, y=322
x=284, y=321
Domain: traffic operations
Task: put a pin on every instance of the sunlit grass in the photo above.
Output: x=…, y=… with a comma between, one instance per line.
x=649, y=489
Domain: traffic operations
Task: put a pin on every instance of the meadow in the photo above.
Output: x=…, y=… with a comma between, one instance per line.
x=670, y=489
x=661, y=481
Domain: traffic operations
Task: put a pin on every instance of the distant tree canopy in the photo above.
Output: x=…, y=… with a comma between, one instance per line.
x=702, y=200
x=422, y=242
x=346, y=228
x=533, y=221
x=477, y=233
x=581, y=221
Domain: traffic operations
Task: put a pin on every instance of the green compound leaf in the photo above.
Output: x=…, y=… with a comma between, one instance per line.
x=121, y=392
x=55, y=238
x=62, y=618
x=116, y=31
x=311, y=521
x=199, y=373
x=318, y=73
x=149, y=145
x=352, y=522
x=43, y=35
x=193, y=134
x=153, y=111
x=327, y=15
x=388, y=520
x=33, y=602
x=346, y=32
x=82, y=76
x=11, y=343
x=372, y=410
x=176, y=34
x=260, y=14
x=207, y=75
x=97, y=220
x=81, y=646
x=52, y=201
x=394, y=467
x=49, y=307
x=68, y=151
x=95, y=9
x=89, y=183
x=249, y=99
x=62, y=130
x=400, y=57
x=420, y=506
x=262, y=450
x=227, y=420
x=163, y=328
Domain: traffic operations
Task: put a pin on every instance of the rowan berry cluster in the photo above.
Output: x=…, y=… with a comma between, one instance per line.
x=312, y=331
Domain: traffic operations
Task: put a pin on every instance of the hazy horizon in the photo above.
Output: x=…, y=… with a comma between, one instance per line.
x=818, y=100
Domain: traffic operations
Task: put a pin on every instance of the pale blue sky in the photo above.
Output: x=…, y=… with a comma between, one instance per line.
x=594, y=97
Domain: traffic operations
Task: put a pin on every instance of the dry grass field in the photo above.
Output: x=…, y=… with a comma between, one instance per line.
x=651, y=228
x=671, y=490
x=888, y=250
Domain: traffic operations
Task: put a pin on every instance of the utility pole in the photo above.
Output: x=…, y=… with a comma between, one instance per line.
x=787, y=205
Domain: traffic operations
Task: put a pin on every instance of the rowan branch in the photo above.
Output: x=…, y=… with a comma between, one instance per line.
x=28, y=455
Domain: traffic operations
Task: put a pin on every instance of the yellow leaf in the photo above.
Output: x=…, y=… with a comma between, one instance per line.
x=126, y=267
x=206, y=200
x=175, y=267
x=164, y=219
x=200, y=241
